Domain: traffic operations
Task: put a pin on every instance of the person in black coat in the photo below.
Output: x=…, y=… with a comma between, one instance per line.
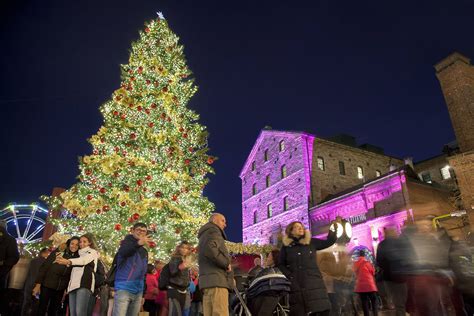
x=53, y=279
x=308, y=294
x=29, y=307
x=9, y=254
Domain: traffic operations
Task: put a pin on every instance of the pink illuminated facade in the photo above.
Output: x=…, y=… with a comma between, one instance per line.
x=376, y=205
x=278, y=186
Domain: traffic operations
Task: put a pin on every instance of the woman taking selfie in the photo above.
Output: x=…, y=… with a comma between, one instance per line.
x=53, y=278
x=81, y=285
x=308, y=294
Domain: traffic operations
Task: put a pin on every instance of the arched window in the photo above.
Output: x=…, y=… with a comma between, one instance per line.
x=283, y=171
x=281, y=145
x=255, y=217
x=285, y=203
x=267, y=181
x=269, y=210
x=254, y=189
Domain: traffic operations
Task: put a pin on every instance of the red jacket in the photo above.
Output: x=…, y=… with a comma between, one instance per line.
x=151, y=287
x=364, y=271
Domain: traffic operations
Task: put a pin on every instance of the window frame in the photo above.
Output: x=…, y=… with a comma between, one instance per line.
x=360, y=172
x=378, y=173
x=283, y=172
x=254, y=189
x=321, y=167
x=268, y=181
x=342, y=168
x=265, y=155
x=269, y=210
x=285, y=204
x=281, y=145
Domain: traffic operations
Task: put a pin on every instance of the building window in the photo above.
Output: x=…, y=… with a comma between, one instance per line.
x=378, y=173
x=265, y=155
x=360, y=172
x=342, y=168
x=255, y=217
x=254, y=189
x=426, y=177
x=321, y=163
x=281, y=146
x=285, y=203
x=253, y=165
x=267, y=181
x=283, y=171
x=445, y=174
x=269, y=210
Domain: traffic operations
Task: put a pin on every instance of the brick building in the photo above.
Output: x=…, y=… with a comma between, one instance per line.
x=296, y=176
x=456, y=76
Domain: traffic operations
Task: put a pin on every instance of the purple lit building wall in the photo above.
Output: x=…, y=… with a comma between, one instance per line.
x=374, y=206
x=276, y=184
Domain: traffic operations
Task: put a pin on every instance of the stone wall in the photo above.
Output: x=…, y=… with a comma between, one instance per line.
x=331, y=181
x=433, y=167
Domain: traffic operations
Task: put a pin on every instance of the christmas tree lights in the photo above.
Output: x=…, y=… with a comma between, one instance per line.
x=149, y=161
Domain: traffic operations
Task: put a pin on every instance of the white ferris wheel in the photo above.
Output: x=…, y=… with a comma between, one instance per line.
x=25, y=222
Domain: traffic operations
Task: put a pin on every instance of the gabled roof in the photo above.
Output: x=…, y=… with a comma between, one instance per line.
x=264, y=133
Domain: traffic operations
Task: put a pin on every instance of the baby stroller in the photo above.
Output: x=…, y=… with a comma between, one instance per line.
x=267, y=294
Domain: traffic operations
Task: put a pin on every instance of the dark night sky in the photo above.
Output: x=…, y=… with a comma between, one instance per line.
x=359, y=67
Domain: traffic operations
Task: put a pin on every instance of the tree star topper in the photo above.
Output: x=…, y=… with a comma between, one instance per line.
x=160, y=15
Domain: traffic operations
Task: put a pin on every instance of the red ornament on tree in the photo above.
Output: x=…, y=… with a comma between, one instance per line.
x=126, y=188
x=210, y=160
x=116, y=113
x=89, y=197
x=174, y=197
x=165, y=89
x=153, y=106
x=151, y=124
x=147, y=30
x=158, y=194
x=133, y=136
x=140, y=69
x=190, y=149
x=187, y=161
x=136, y=216
x=130, y=220
x=139, y=182
x=152, y=244
x=148, y=81
x=74, y=212
x=177, y=231
x=102, y=190
x=181, y=129
x=97, y=211
x=105, y=208
x=139, y=108
x=118, y=227
x=148, y=177
x=185, y=135
x=147, y=111
x=123, y=204
x=163, y=115
x=123, y=116
x=88, y=172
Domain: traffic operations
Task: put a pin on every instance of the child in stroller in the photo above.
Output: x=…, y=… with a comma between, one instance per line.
x=267, y=293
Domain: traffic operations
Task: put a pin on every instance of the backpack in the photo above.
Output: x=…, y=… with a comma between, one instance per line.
x=164, y=279
x=100, y=274
x=110, y=279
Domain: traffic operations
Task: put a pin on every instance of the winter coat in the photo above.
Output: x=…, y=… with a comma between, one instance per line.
x=179, y=274
x=132, y=261
x=83, y=270
x=9, y=254
x=269, y=282
x=213, y=258
x=364, y=272
x=393, y=255
x=151, y=287
x=53, y=275
x=33, y=271
x=298, y=262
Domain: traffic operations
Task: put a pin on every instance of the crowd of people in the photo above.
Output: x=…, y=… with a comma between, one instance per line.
x=421, y=272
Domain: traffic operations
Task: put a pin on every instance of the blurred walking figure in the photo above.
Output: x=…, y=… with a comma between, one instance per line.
x=392, y=255
x=9, y=256
x=365, y=284
x=216, y=277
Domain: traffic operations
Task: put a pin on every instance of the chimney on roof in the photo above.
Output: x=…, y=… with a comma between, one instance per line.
x=409, y=162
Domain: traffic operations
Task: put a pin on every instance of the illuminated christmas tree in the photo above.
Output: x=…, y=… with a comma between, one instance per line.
x=149, y=161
